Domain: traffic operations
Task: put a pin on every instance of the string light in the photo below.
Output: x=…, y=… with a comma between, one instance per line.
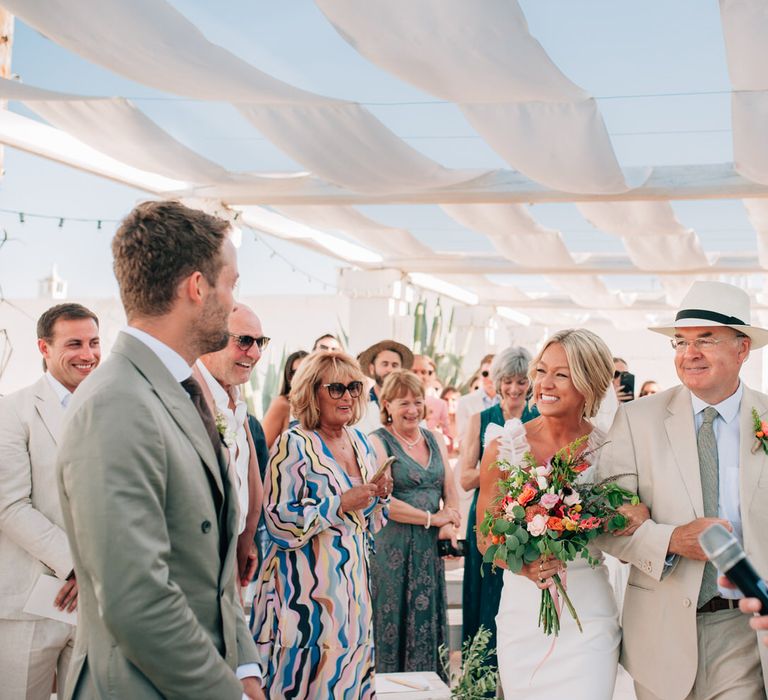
x=23, y=215
x=275, y=254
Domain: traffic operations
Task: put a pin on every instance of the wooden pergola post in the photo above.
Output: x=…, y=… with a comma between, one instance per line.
x=6, y=47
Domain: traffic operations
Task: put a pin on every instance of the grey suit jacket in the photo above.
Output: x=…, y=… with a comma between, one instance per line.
x=654, y=440
x=152, y=527
x=32, y=537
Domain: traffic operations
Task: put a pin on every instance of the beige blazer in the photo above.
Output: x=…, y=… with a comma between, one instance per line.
x=32, y=537
x=152, y=526
x=654, y=439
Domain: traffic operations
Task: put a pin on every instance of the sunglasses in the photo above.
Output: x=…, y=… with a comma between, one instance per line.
x=336, y=389
x=617, y=373
x=245, y=342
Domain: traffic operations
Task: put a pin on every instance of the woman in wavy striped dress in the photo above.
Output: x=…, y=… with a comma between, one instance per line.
x=312, y=618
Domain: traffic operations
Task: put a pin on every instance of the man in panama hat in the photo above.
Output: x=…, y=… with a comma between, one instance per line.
x=693, y=455
x=377, y=362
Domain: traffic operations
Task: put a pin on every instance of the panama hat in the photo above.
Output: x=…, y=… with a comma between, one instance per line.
x=716, y=304
x=366, y=357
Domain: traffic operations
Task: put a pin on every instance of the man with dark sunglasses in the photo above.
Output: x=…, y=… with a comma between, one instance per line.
x=220, y=375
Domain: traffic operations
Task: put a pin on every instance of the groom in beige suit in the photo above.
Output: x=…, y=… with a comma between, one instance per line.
x=149, y=509
x=34, y=650
x=691, y=449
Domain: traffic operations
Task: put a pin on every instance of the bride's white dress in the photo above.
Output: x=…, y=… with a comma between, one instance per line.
x=582, y=666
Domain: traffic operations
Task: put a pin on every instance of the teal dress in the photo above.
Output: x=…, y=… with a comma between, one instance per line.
x=410, y=618
x=481, y=587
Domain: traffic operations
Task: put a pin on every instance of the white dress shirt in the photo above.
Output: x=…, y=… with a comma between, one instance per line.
x=235, y=437
x=727, y=434
x=180, y=371
x=62, y=393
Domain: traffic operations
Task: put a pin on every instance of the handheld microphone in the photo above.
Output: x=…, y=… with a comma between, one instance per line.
x=725, y=552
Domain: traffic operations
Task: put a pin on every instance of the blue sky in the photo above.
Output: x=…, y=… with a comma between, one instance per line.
x=618, y=51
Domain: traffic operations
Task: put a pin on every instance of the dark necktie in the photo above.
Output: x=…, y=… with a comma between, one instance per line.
x=708, y=465
x=192, y=387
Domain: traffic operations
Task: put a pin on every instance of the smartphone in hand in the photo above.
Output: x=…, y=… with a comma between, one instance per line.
x=446, y=549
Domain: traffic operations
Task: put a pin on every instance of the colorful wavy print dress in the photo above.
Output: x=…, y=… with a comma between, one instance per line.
x=312, y=614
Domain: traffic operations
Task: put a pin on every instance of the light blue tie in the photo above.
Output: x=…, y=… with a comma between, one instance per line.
x=710, y=488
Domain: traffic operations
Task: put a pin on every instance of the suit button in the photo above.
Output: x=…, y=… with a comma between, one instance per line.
x=206, y=526
x=687, y=603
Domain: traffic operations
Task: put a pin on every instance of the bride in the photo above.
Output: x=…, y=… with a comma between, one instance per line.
x=570, y=375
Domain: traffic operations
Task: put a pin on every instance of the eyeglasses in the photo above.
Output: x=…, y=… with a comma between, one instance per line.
x=701, y=344
x=336, y=389
x=245, y=342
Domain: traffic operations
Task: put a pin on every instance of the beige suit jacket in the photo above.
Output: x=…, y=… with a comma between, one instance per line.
x=152, y=525
x=654, y=440
x=32, y=536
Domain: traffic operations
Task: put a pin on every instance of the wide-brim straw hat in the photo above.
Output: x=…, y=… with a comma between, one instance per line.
x=716, y=304
x=366, y=357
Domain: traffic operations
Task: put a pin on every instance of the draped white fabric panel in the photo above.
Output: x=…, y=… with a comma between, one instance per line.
x=150, y=42
x=346, y=144
x=652, y=235
x=393, y=242
x=757, y=210
x=485, y=289
x=632, y=218
x=745, y=29
x=666, y=253
x=117, y=128
x=588, y=291
x=482, y=56
x=514, y=233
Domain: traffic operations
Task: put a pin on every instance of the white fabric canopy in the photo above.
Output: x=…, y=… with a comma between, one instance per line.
x=393, y=242
x=487, y=62
x=757, y=210
x=117, y=128
x=588, y=291
x=652, y=235
x=514, y=233
x=745, y=29
x=150, y=42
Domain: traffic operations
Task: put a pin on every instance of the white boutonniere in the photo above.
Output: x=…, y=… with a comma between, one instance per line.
x=227, y=435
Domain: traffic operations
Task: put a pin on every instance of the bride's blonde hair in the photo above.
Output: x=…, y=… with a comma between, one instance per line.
x=589, y=360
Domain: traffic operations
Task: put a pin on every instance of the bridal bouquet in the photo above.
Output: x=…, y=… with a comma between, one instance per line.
x=542, y=511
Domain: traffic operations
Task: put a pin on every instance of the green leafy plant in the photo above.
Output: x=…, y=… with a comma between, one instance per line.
x=478, y=677
x=439, y=342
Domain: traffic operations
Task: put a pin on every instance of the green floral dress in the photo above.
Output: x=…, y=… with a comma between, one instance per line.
x=410, y=619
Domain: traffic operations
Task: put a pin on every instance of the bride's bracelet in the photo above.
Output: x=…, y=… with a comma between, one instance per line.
x=428, y=524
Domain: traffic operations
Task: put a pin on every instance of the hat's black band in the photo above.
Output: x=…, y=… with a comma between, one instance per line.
x=710, y=316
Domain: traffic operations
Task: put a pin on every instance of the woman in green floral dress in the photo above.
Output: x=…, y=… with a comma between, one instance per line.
x=410, y=620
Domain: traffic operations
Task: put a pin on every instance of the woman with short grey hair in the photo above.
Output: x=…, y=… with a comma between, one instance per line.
x=482, y=584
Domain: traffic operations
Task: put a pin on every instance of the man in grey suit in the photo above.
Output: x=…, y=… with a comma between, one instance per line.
x=34, y=650
x=148, y=507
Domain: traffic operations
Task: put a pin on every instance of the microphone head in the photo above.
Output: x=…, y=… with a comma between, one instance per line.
x=721, y=547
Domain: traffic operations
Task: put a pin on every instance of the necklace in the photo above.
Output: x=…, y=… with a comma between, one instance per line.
x=408, y=444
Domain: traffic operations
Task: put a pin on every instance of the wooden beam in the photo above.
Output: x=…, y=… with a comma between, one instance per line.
x=6, y=49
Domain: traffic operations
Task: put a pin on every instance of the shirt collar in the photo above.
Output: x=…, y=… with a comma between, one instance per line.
x=62, y=393
x=727, y=409
x=172, y=361
x=219, y=393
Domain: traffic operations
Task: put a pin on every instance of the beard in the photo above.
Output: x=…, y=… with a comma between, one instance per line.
x=379, y=379
x=211, y=332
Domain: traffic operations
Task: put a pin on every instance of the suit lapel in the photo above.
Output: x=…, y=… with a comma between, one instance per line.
x=172, y=395
x=681, y=433
x=49, y=408
x=750, y=464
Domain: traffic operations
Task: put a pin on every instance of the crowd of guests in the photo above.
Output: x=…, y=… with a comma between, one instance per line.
x=152, y=498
